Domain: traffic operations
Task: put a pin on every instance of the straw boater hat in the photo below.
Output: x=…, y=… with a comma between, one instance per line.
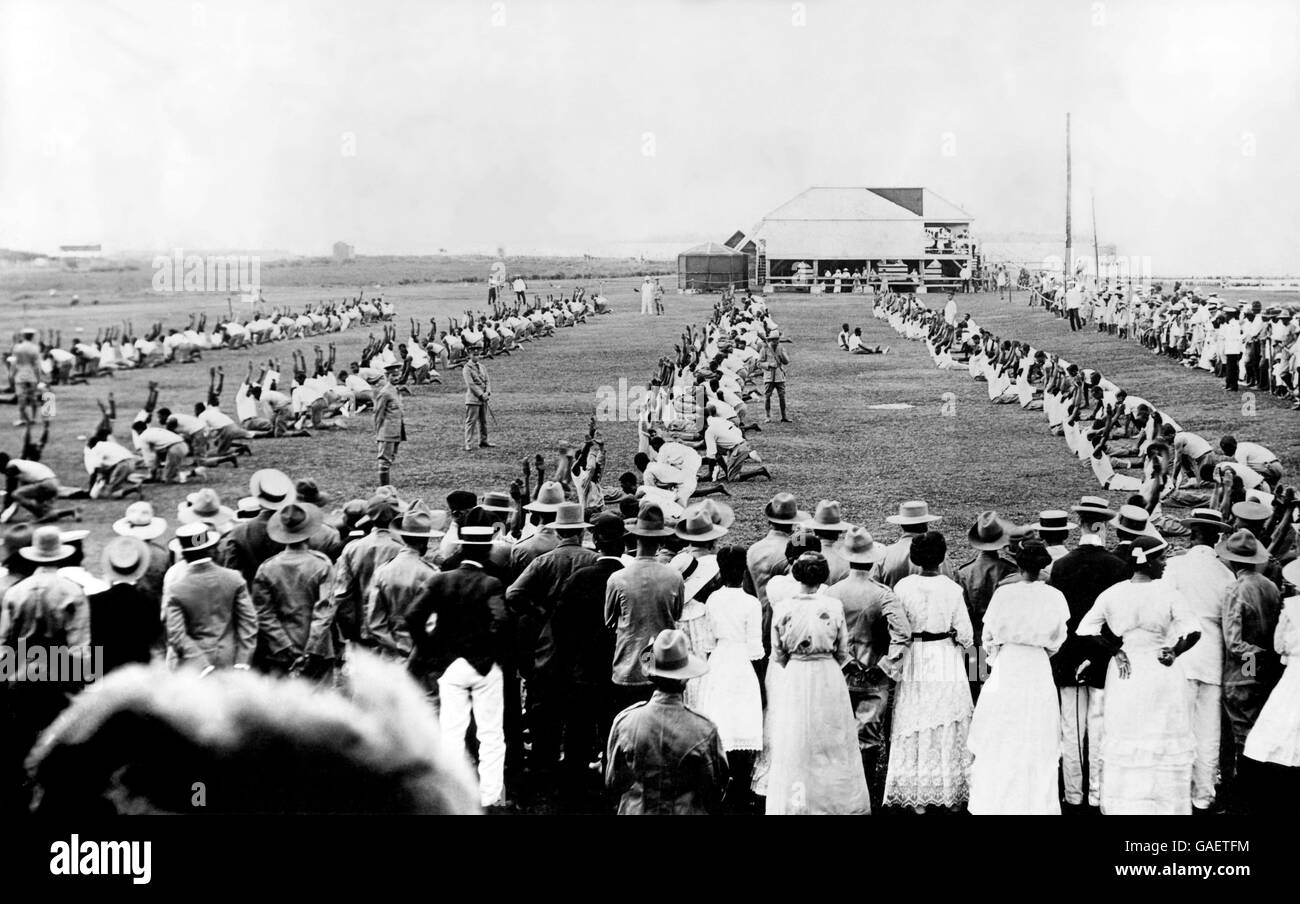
x=125, y=560
x=294, y=523
x=549, y=498
x=915, y=511
x=417, y=522
x=1133, y=521
x=1094, y=508
x=826, y=517
x=782, y=509
x=697, y=526
x=47, y=547
x=247, y=508
x=568, y=516
x=1251, y=511
x=497, y=502
x=140, y=522
x=670, y=656
x=1242, y=546
x=649, y=522
x=1052, y=519
x=197, y=537
x=205, y=505
x=476, y=535
x=858, y=547
x=272, y=488
x=1206, y=517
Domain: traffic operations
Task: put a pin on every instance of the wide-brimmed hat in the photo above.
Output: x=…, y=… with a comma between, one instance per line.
x=417, y=522
x=47, y=546
x=247, y=508
x=607, y=525
x=1251, y=511
x=697, y=526
x=1134, y=520
x=550, y=496
x=568, y=516
x=461, y=500
x=722, y=514
x=1206, y=517
x=294, y=523
x=649, y=522
x=125, y=559
x=205, y=505
x=476, y=534
x=827, y=517
x=989, y=532
x=670, y=656
x=140, y=522
x=915, y=511
x=1050, y=520
x=307, y=491
x=1095, y=507
x=497, y=502
x=1241, y=546
x=196, y=537
x=783, y=509
x=859, y=548
x=272, y=488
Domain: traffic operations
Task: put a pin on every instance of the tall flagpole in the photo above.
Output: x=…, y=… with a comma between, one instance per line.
x=1096, y=252
x=1069, y=241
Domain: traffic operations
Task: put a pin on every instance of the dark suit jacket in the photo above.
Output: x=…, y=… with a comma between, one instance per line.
x=471, y=623
x=582, y=645
x=1081, y=575
x=127, y=623
x=247, y=546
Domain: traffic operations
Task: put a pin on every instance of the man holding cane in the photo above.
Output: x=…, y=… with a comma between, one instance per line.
x=478, y=390
x=390, y=426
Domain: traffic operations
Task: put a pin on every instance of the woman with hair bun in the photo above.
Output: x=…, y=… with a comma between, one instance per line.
x=928, y=760
x=1147, y=744
x=815, y=766
x=1015, y=732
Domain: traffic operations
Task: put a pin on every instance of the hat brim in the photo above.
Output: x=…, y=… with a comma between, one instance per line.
x=543, y=506
x=919, y=519
x=631, y=528
x=1096, y=513
x=1259, y=558
x=111, y=574
x=504, y=509
x=151, y=531
x=694, y=668
x=1205, y=522
x=800, y=517
x=285, y=537
x=840, y=526
x=31, y=554
x=224, y=515
x=712, y=533
x=987, y=546
x=569, y=525
x=876, y=554
x=1040, y=527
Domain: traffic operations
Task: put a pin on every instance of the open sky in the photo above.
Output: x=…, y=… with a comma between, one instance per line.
x=563, y=126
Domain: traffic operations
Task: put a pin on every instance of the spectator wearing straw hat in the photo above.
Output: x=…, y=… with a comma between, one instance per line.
x=397, y=582
x=1203, y=580
x=205, y=505
x=139, y=521
x=249, y=543
x=1251, y=609
x=700, y=528
x=211, y=622
x=541, y=511
x=643, y=599
x=1053, y=528
x=1254, y=517
x=878, y=633
x=664, y=758
x=125, y=622
x=1079, y=666
x=293, y=592
x=914, y=519
x=461, y=655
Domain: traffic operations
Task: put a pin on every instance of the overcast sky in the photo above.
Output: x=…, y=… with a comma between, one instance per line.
x=406, y=127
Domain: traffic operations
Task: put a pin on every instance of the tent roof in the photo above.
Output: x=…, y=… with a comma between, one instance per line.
x=860, y=203
x=712, y=248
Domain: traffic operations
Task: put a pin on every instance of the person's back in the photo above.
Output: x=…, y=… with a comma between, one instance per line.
x=1082, y=574
x=207, y=600
x=665, y=759
x=641, y=600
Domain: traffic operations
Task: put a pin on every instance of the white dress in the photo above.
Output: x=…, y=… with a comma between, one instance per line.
x=1147, y=745
x=729, y=692
x=928, y=761
x=1275, y=738
x=1015, y=734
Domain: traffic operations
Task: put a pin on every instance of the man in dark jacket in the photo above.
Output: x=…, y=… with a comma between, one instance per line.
x=1079, y=667
x=583, y=648
x=249, y=545
x=663, y=758
x=461, y=654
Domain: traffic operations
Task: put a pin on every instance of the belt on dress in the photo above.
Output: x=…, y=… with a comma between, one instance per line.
x=810, y=655
x=931, y=635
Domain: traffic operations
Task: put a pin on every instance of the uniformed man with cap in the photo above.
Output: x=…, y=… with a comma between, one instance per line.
x=390, y=426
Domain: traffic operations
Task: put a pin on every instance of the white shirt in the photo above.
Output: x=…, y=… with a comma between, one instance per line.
x=1203, y=581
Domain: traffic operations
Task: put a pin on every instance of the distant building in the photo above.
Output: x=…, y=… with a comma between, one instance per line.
x=343, y=252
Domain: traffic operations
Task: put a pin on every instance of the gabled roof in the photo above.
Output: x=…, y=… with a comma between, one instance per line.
x=939, y=210
x=711, y=248
x=859, y=203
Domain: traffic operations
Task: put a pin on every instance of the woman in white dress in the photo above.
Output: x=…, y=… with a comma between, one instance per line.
x=700, y=527
x=816, y=768
x=729, y=692
x=1147, y=744
x=928, y=760
x=1015, y=734
x=1273, y=745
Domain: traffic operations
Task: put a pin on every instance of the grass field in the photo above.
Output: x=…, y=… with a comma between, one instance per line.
x=957, y=451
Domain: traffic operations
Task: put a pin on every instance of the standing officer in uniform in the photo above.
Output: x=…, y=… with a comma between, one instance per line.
x=773, y=362
x=478, y=389
x=390, y=426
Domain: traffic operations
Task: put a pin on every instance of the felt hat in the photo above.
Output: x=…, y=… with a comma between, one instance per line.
x=125, y=559
x=550, y=496
x=1241, y=546
x=826, y=517
x=497, y=502
x=418, y=521
x=47, y=546
x=782, y=509
x=859, y=548
x=140, y=522
x=205, y=505
x=294, y=523
x=697, y=526
x=989, y=532
x=568, y=516
x=670, y=656
x=307, y=491
x=607, y=525
x=915, y=511
x=649, y=522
